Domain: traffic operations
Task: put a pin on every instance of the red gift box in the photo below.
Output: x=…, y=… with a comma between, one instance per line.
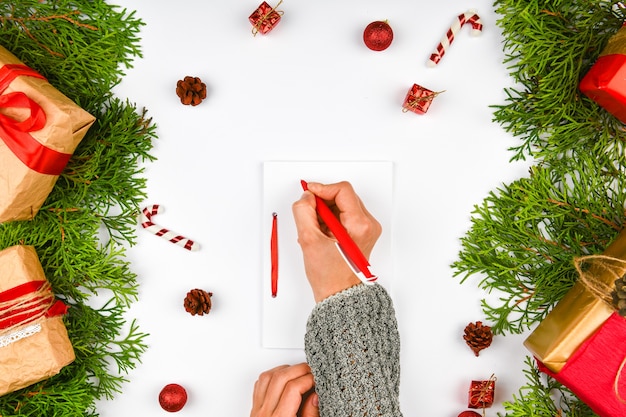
x=605, y=83
x=265, y=18
x=595, y=371
x=481, y=393
x=418, y=99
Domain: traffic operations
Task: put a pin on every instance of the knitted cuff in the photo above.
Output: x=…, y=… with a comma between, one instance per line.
x=353, y=348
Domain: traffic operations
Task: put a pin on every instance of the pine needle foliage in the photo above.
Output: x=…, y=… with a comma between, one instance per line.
x=83, y=228
x=524, y=235
x=543, y=396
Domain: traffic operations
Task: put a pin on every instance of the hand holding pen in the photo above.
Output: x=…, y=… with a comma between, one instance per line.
x=325, y=267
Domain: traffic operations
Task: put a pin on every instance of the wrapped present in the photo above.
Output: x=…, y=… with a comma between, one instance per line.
x=481, y=393
x=604, y=82
x=595, y=372
x=265, y=18
x=39, y=130
x=583, y=309
x=34, y=343
x=418, y=99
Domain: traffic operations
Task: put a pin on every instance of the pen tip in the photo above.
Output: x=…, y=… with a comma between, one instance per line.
x=274, y=214
x=305, y=186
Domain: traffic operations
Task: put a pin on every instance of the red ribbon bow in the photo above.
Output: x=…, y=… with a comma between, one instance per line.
x=16, y=134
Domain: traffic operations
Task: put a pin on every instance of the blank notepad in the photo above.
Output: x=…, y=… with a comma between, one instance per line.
x=284, y=317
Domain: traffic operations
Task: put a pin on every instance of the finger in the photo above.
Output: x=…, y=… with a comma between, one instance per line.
x=310, y=408
x=341, y=195
x=305, y=216
x=279, y=380
x=292, y=394
x=261, y=384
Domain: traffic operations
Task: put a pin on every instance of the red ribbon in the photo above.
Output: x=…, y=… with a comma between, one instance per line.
x=42, y=305
x=16, y=134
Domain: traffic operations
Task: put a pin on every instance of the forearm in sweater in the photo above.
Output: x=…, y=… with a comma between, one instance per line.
x=353, y=348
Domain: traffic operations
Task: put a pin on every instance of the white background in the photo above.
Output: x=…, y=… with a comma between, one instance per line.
x=311, y=90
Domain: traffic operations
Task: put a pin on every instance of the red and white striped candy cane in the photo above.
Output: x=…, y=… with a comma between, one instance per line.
x=468, y=17
x=146, y=223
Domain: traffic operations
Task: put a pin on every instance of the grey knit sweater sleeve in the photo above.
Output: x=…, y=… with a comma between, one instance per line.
x=353, y=348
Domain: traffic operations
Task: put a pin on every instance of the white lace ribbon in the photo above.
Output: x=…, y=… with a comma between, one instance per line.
x=14, y=336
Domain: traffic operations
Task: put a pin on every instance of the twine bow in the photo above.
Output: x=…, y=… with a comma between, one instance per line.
x=16, y=134
x=601, y=290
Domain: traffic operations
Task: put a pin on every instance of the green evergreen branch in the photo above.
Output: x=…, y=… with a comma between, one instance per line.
x=543, y=396
x=525, y=235
x=83, y=49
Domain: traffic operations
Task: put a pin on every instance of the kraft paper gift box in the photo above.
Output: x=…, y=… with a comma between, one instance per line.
x=39, y=130
x=34, y=343
x=605, y=82
x=581, y=311
x=595, y=372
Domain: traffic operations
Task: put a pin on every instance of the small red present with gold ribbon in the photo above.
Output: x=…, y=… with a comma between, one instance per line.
x=481, y=393
x=34, y=344
x=265, y=18
x=604, y=82
x=418, y=99
x=39, y=130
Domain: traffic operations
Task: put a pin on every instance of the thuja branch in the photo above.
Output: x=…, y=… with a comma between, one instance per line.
x=82, y=48
x=544, y=396
x=23, y=23
x=525, y=235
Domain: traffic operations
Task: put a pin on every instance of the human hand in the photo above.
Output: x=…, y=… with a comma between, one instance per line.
x=325, y=268
x=285, y=391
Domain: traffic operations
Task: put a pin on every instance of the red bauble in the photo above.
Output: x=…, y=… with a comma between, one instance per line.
x=172, y=397
x=469, y=414
x=378, y=36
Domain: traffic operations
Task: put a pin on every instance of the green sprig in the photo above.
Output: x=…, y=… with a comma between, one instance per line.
x=525, y=235
x=542, y=396
x=90, y=217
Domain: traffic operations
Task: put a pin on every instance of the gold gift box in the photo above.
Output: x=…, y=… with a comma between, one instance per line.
x=38, y=356
x=23, y=190
x=579, y=313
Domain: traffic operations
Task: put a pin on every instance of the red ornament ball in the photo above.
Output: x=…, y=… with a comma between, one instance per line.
x=469, y=414
x=172, y=397
x=378, y=36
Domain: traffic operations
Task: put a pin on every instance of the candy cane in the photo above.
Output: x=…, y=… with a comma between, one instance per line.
x=468, y=17
x=146, y=223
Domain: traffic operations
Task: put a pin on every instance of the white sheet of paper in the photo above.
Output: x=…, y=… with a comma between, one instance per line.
x=284, y=317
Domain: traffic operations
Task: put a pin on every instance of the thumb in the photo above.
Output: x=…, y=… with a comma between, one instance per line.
x=311, y=406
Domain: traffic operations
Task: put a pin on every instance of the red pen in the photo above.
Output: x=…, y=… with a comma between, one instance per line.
x=274, y=254
x=347, y=247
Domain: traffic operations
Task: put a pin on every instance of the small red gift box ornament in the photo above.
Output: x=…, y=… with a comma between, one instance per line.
x=481, y=393
x=418, y=99
x=265, y=18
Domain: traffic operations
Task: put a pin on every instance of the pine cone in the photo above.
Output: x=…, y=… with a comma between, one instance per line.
x=191, y=90
x=619, y=295
x=198, y=302
x=478, y=336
